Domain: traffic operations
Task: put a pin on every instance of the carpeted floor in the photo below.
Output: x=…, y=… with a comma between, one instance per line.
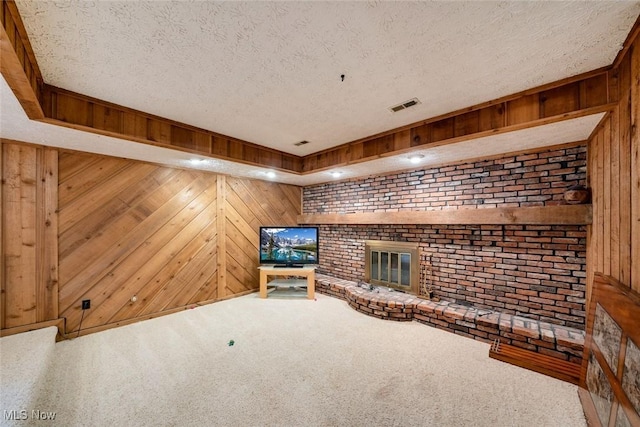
x=293, y=362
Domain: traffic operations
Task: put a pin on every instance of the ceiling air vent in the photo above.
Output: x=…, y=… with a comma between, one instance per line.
x=298, y=144
x=404, y=105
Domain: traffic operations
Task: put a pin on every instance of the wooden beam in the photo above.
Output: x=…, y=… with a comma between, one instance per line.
x=539, y=215
x=77, y=111
x=15, y=75
x=563, y=100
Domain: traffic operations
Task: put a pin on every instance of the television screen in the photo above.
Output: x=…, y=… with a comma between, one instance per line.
x=289, y=246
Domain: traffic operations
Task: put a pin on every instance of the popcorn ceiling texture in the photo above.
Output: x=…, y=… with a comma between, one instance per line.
x=269, y=72
x=531, y=271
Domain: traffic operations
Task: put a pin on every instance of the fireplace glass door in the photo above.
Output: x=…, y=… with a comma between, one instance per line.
x=392, y=264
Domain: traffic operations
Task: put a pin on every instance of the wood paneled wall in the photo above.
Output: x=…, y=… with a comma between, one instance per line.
x=613, y=169
x=170, y=237
x=247, y=205
x=29, y=285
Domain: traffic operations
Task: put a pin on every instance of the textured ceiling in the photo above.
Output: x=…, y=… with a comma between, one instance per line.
x=269, y=72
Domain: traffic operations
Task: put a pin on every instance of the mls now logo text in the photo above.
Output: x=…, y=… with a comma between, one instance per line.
x=25, y=415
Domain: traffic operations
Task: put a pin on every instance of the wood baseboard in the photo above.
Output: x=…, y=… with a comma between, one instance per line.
x=87, y=331
x=58, y=323
x=541, y=363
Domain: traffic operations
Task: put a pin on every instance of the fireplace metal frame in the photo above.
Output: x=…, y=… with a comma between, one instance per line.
x=393, y=247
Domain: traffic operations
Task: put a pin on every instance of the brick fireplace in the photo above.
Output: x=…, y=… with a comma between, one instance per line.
x=533, y=271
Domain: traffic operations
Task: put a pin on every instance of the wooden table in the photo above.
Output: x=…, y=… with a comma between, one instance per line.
x=308, y=272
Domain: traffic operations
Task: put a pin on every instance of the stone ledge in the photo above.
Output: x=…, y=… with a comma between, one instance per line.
x=485, y=325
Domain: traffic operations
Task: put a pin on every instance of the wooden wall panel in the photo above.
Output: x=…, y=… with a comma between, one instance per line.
x=248, y=205
x=635, y=165
x=29, y=236
x=613, y=168
x=132, y=229
x=160, y=234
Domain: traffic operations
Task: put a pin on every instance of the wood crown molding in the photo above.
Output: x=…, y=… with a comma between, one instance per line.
x=539, y=215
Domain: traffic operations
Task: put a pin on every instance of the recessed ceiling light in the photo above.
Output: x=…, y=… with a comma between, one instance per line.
x=271, y=174
x=197, y=161
x=416, y=158
x=336, y=174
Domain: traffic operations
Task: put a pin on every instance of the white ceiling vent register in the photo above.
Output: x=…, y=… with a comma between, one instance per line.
x=405, y=105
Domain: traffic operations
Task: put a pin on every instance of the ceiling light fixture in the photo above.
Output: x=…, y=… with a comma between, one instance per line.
x=416, y=158
x=336, y=174
x=270, y=174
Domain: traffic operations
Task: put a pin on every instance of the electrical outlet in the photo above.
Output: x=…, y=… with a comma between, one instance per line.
x=86, y=304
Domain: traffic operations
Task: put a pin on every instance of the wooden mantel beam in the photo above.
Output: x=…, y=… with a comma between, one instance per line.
x=539, y=215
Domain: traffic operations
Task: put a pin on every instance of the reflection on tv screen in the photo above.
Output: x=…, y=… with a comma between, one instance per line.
x=289, y=245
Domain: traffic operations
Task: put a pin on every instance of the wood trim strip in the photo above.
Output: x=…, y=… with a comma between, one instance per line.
x=3, y=290
x=58, y=323
x=631, y=38
x=221, y=219
x=539, y=215
x=635, y=168
x=100, y=328
x=47, y=234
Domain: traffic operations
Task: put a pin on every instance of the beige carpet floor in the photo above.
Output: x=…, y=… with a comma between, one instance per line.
x=294, y=362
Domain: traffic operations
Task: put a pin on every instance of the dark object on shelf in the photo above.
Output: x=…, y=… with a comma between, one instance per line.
x=577, y=195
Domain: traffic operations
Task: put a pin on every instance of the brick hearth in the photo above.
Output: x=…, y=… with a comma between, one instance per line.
x=554, y=340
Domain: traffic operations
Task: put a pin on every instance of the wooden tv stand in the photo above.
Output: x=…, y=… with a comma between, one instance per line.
x=308, y=272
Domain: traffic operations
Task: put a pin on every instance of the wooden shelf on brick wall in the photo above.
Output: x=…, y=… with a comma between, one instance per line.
x=539, y=215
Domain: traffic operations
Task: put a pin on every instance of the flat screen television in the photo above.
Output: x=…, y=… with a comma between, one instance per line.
x=289, y=246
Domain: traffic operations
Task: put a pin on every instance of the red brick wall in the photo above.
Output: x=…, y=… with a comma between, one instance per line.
x=533, y=271
x=525, y=180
